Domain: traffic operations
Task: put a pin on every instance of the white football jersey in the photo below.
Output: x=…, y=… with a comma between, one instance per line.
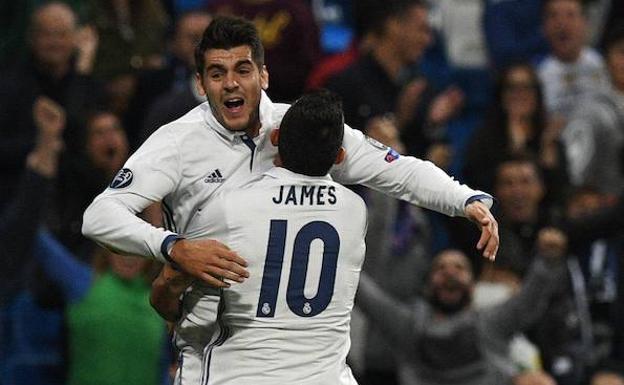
x=288, y=323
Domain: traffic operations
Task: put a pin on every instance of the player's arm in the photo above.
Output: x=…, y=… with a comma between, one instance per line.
x=167, y=291
x=416, y=181
x=147, y=177
x=152, y=173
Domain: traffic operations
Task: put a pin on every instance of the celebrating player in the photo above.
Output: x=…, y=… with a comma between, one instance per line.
x=293, y=220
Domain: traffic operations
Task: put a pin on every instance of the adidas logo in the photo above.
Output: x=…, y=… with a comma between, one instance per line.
x=215, y=177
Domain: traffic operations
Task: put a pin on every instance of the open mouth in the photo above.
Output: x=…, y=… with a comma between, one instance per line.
x=234, y=105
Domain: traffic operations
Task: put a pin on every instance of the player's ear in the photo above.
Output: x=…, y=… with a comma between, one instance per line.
x=342, y=154
x=264, y=78
x=275, y=137
x=198, y=84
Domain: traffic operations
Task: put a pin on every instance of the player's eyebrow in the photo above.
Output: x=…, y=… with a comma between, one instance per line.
x=243, y=62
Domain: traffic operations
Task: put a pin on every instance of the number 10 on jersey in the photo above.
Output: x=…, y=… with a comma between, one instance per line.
x=295, y=297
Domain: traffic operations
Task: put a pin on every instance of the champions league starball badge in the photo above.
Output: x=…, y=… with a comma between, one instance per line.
x=122, y=179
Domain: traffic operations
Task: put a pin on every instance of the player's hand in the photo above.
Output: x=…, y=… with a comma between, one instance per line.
x=166, y=291
x=210, y=261
x=481, y=215
x=176, y=281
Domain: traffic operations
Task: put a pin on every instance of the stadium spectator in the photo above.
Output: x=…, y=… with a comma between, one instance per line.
x=113, y=335
x=600, y=261
x=517, y=124
x=386, y=86
x=441, y=339
x=24, y=213
x=519, y=190
x=512, y=31
x=564, y=346
x=103, y=152
x=328, y=66
x=130, y=38
x=572, y=71
x=594, y=138
x=49, y=71
x=290, y=37
x=20, y=219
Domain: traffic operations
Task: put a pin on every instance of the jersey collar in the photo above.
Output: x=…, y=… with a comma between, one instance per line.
x=267, y=121
x=282, y=173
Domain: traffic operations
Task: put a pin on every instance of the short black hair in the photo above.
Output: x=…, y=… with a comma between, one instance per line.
x=311, y=133
x=226, y=32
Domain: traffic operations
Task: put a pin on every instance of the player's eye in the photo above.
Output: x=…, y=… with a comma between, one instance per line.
x=245, y=70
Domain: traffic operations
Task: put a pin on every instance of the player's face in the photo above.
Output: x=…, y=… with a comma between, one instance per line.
x=450, y=281
x=233, y=82
x=565, y=28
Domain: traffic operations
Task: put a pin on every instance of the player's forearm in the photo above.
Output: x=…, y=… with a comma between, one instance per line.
x=167, y=290
x=113, y=224
x=165, y=300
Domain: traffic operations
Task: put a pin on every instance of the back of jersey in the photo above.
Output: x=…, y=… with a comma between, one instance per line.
x=289, y=322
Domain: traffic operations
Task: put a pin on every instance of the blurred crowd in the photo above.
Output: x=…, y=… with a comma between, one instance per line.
x=520, y=98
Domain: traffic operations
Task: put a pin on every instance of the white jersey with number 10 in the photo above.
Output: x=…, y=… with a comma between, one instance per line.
x=289, y=322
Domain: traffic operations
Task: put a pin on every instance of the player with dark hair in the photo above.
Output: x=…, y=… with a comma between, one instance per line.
x=308, y=142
